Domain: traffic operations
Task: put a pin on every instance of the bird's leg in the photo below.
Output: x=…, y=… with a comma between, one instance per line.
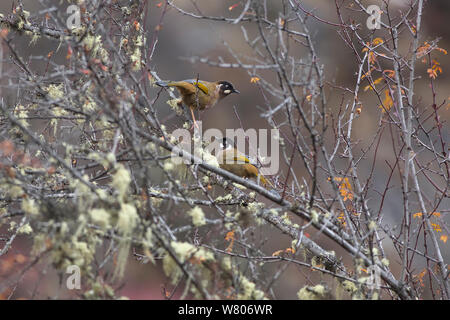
x=193, y=119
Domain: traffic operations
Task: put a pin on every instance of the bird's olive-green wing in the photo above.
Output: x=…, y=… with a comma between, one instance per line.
x=200, y=85
x=241, y=159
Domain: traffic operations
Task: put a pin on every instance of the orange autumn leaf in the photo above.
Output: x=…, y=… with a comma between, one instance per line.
x=389, y=73
x=444, y=238
x=136, y=25
x=233, y=6
x=290, y=250
x=434, y=70
x=436, y=227
x=69, y=53
x=345, y=188
x=432, y=73
x=417, y=215
x=372, y=55
x=230, y=235
x=387, y=102
x=341, y=218
x=277, y=253
x=422, y=274
x=254, y=80
x=372, y=58
x=423, y=50
x=375, y=82
x=367, y=73
x=197, y=260
x=377, y=41
x=441, y=50
x=287, y=250
x=419, y=277
x=426, y=48
x=436, y=214
x=230, y=238
x=346, y=194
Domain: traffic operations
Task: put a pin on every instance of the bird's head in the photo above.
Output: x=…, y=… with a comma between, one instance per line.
x=226, y=88
x=223, y=143
x=226, y=144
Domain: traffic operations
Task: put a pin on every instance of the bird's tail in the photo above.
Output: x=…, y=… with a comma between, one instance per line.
x=163, y=83
x=264, y=180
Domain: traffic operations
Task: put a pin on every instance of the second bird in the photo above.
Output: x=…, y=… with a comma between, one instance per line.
x=232, y=160
x=200, y=94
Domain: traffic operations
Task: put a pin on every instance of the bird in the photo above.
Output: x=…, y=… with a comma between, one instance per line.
x=230, y=159
x=200, y=94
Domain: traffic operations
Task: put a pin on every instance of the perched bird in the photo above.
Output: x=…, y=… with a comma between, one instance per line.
x=232, y=160
x=200, y=94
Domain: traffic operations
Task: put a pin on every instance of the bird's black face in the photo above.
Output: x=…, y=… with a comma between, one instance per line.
x=226, y=144
x=226, y=88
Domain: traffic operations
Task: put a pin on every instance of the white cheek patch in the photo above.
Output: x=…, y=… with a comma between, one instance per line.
x=226, y=146
x=227, y=91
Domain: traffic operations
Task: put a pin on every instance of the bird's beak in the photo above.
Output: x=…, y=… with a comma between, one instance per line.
x=236, y=91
